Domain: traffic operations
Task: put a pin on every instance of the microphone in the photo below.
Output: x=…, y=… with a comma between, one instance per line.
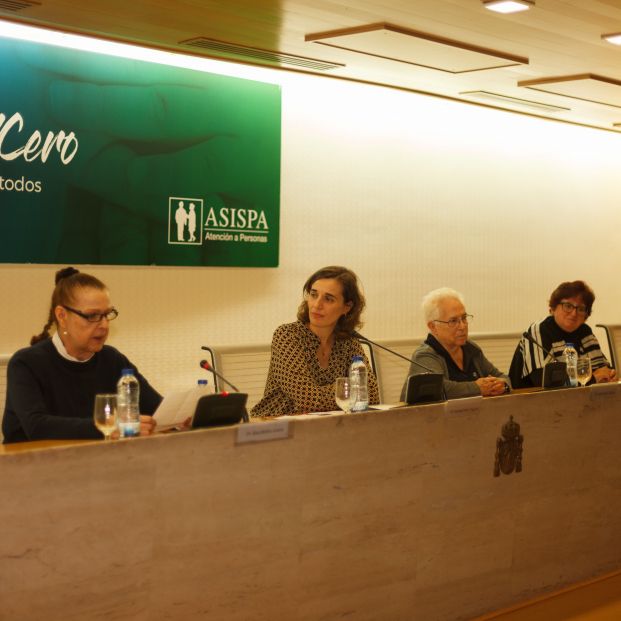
x=426, y=387
x=553, y=373
x=529, y=337
x=359, y=336
x=205, y=365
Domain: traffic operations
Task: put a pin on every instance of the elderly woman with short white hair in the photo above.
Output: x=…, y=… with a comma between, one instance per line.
x=447, y=350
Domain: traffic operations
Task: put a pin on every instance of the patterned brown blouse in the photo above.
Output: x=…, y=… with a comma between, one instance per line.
x=296, y=384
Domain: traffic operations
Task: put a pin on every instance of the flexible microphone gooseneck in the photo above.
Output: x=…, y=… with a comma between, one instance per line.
x=529, y=337
x=205, y=365
x=359, y=336
x=420, y=394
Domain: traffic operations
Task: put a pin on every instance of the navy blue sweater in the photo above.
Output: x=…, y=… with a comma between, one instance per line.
x=49, y=397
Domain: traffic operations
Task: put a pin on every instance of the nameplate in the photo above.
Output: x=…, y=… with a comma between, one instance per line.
x=468, y=405
x=603, y=390
x=263, y=432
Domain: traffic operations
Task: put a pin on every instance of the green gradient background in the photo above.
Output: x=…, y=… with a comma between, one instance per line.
x=146, y=132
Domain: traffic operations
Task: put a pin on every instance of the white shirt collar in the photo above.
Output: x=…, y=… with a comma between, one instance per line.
x=60, y=348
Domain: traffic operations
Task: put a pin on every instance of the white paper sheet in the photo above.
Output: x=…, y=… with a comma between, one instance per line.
x=176, y=407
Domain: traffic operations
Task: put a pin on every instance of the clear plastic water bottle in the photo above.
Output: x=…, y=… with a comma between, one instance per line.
x=570, y=356
x=202, y=385
x=128, y=404
x=359, y=383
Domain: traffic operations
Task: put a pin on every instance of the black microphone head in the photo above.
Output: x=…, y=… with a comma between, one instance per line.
x=526, y=335
x=357, y=334
x=204, y=364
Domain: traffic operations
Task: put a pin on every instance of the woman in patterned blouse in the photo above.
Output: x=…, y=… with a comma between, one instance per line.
x=308, y=355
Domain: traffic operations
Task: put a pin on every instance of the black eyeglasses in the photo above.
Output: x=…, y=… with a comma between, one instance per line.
x=454, y=321
x=94, y=317
x=568, y=307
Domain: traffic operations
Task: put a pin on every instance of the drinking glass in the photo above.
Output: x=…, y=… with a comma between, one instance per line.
x=344, y=395
x=104, y=414
x=583, y=370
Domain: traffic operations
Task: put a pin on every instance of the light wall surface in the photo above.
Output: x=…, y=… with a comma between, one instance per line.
x=412, y=193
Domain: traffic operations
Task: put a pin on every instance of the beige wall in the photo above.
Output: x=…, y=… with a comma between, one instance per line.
x=411, y=192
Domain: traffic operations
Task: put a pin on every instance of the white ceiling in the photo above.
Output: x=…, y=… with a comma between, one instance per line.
x=436, y=46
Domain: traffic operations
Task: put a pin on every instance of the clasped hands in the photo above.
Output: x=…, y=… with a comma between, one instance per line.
x=491, y=386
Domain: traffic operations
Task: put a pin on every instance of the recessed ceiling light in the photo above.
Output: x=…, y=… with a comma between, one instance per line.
x=614, y=38
x=508, y=6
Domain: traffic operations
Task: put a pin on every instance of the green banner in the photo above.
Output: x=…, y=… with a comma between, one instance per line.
x=107, y=160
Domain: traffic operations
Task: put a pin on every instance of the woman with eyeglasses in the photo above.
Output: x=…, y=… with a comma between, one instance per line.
x=570, y=305
x=447, y=350
x=51, y=385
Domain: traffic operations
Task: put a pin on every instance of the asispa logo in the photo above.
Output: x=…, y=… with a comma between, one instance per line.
x=192, y=222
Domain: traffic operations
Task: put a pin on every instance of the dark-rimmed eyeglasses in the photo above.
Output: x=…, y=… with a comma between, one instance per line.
x=455, y=321
x=568, y=307
x=109, y=315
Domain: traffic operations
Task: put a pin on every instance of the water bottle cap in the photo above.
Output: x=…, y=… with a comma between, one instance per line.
x=202, y=382
x=357, y=359
x=568, y=344
x=127, y=372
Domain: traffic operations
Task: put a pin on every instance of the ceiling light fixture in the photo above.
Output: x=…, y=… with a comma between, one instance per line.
x=508, y=6
x=614, y=38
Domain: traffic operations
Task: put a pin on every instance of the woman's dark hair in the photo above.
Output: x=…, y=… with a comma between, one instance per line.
x=573, y=289
x=351, y=293
x=67, y=281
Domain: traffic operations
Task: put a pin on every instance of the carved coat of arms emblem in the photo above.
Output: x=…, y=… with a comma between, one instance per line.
x=509, y=449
